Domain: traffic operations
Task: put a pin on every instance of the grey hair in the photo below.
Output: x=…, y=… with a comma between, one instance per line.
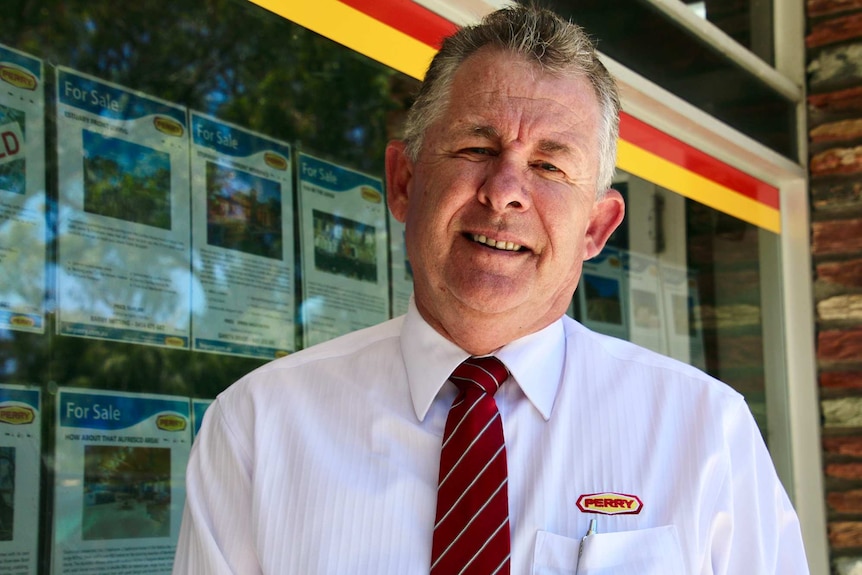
x=558, y=47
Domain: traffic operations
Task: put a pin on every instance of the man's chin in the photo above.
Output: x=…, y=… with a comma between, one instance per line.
x=490, y=299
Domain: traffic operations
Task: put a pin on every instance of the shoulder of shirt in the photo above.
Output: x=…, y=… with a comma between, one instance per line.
x=336, y=353
x=593, y=343
x=355, y=342
x=266, y=389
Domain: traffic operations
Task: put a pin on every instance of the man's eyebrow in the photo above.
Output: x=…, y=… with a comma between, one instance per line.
x=553, y=146
x=478, y=130
x=489, y=132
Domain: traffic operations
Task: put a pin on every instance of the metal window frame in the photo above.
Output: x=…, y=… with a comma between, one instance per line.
x=788, y=319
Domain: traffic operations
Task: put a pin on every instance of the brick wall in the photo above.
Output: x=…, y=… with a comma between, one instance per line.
x=834, y=49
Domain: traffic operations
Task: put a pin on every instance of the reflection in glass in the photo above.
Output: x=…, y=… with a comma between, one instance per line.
x=7, y=493
x=749, y=22
x=681, y=279
x=127, y=492
x=243, y=211
x=126, y=180
x=345, y=247
x=13, y=174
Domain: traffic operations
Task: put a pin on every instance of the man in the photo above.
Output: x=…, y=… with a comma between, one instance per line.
x=615, y=460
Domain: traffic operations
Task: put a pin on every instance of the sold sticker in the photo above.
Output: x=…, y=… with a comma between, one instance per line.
x=11, y=142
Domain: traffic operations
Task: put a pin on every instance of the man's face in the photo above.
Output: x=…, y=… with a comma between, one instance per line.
x=500, y=206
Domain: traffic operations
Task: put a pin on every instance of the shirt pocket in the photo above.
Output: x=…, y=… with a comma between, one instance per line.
x=654, y=551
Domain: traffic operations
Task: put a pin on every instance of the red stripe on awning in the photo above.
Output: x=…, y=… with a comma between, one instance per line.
x=422, y=24
x=408, y=17
x=678, y=152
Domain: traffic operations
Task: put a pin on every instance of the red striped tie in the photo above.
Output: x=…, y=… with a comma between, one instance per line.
x=471, y=534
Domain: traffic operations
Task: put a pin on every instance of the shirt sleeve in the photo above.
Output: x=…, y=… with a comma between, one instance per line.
x=755, y=529
x=217, y=536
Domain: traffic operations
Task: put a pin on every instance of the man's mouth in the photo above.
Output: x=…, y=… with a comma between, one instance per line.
x=500, y=245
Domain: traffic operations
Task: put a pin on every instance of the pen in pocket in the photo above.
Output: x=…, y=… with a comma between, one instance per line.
x=590, y=531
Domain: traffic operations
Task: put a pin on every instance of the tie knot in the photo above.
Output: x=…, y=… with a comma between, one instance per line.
x=487, y=373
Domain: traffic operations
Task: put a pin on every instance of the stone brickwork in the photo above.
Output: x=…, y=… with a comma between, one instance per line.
x=834, y=50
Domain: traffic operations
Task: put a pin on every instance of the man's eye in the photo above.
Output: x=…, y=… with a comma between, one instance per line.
x=546, y=167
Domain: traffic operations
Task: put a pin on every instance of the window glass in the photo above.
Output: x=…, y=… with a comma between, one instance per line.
x=690, y=67
x=749, y=22
x=682, y=279
x=190, y=189
x=187, y=190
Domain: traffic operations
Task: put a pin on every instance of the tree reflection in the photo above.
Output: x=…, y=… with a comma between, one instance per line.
x=227, y=58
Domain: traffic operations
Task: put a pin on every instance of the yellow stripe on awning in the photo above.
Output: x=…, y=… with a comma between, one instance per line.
x=357, y=31
x=695, y=187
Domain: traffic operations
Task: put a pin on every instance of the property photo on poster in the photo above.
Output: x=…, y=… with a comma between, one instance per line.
x=243, y=211
x=127, y=492
x=345, y=247
x=7, y=493
x=126, y=180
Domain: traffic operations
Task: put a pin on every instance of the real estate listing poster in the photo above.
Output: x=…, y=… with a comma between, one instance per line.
x=675, y=288
x=199, y=408
x=601, y=294
x=243, y=300
x=22, y=192
x=402, y=273
x=123, y=247
x=345, y=275
x=647, y=316
x=119, y=485
x=20, y=457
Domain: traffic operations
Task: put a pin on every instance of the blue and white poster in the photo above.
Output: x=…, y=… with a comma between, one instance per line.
x=199, y=408
x=345, y=275
x=647, y=317
x=678, y=294
x=601, y=294
x=402, y=273
x=123, y=247
x=22, y=192
x=20, y=457
x=119, y=485
x=243, y=296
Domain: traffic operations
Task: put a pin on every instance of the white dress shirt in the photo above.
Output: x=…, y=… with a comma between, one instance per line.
x=326, y=462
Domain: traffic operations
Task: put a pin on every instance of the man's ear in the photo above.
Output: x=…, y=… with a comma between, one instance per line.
x=607, y=214
x=399, y=172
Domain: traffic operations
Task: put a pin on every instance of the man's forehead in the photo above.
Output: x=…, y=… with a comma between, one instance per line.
x=558, y=130
x=496, y=96
x=555, y=142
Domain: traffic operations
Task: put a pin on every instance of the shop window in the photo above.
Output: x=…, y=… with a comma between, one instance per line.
x=682, y=279
x=187, y=190
x=191, y=189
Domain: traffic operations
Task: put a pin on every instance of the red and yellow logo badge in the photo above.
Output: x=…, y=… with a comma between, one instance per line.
x=610, y=504
x=16, y=414
x=170, y=422
x=22, y=321
x=174, y=341
x=274, y=160
x=17, y=77
x=371, y=195
x=168, y=126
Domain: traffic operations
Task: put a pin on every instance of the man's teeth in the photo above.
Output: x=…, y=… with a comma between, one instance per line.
x=508, y=246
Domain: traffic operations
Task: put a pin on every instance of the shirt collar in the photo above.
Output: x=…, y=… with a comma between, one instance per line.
x=535, y=362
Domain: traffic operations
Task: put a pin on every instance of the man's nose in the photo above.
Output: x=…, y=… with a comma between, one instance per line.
x=506, y=185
